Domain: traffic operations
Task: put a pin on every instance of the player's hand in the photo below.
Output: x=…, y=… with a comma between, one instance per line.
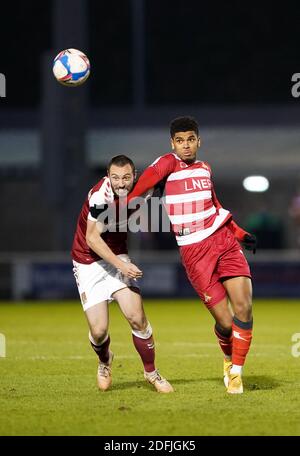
x=130, y=270
x=249, y=242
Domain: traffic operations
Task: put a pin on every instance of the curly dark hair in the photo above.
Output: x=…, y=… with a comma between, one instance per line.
x=186, y=123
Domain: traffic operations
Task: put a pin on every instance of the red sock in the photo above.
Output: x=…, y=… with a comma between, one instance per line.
x=146, y=350
x=225, y=340
x=102, y=350
x=242, y=335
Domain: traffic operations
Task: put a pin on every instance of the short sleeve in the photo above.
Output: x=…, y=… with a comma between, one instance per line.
x=98, y=201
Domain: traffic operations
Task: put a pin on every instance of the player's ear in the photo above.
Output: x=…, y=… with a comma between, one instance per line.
x=199, y=141
x=172, y=144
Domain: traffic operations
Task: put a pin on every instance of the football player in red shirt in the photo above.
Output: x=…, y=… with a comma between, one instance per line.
x=208, y=243
x=104, y=272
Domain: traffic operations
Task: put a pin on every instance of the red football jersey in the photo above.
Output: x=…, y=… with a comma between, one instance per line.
x=190, y=200
x=101, y=194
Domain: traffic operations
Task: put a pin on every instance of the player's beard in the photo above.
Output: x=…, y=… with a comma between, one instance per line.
x=189, y=161
x=122, y=192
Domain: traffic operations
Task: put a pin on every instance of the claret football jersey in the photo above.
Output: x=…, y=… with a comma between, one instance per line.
x=98, y=199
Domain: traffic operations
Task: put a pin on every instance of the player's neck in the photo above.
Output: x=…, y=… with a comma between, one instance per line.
x=189, y=162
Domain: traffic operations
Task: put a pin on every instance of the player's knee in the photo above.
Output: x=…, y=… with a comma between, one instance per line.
x=224, y=326
x=98, y=334
x=224, y=320
x=243, y=309
x=137, y=322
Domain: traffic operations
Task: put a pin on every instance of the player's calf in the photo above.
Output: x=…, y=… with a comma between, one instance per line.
x=144, y=345
x=102, y=349
x=242, y=336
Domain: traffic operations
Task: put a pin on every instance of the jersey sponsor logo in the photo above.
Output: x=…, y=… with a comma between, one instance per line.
x=201, y=184
x=238, y=336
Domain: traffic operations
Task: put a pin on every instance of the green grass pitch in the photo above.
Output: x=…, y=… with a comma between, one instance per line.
x=48, y=377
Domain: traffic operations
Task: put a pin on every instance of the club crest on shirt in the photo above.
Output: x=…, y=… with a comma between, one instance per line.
x=183, y=165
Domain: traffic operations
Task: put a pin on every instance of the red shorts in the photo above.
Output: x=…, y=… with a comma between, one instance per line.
x=208, y=261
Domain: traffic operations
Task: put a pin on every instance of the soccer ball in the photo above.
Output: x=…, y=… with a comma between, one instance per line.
x=71, y=67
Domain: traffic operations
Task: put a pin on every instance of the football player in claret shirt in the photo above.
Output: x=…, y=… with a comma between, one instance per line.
x=208, y=242
x=103, y=272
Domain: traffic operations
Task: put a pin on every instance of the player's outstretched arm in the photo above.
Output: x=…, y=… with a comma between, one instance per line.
x=246, y=239
x=160, y=168
x=99, y=246
x=148, y=179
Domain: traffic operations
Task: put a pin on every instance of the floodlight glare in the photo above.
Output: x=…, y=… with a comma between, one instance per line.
x=256, y=184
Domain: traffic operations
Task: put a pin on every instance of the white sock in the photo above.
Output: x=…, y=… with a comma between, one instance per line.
x=236, y=369
x=150, y=373
x=143, y=334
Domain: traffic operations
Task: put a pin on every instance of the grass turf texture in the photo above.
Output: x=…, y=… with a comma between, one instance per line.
x=48, y=378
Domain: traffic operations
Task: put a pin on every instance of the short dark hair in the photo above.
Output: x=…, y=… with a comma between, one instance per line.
x=121, y=160
x=186, y=123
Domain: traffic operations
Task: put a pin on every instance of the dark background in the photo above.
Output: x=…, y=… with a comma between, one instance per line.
x=214, y=52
